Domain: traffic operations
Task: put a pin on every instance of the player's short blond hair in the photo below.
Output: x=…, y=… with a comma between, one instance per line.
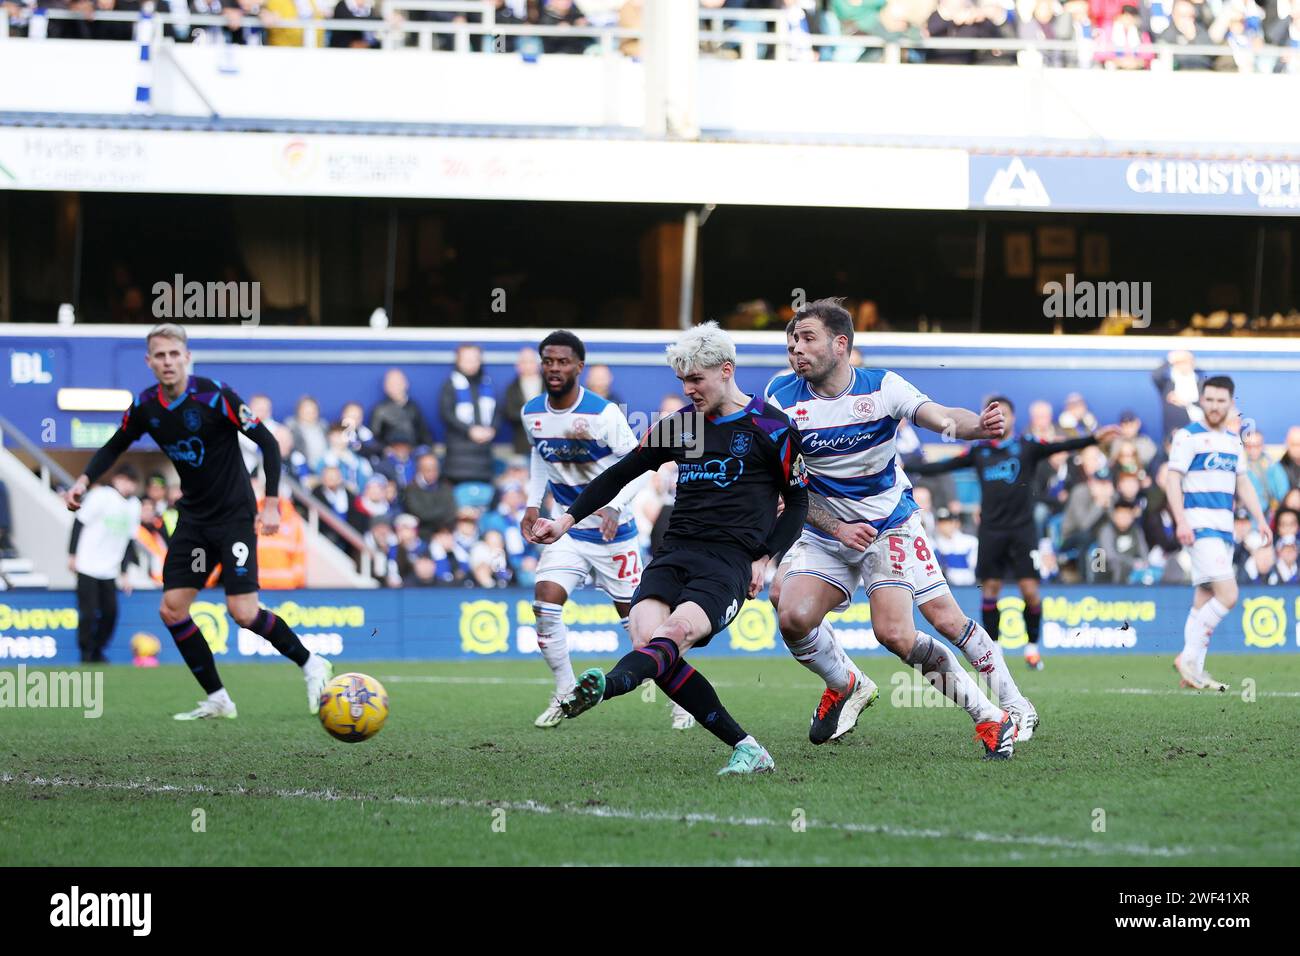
x=705, y=346
x=167, y=330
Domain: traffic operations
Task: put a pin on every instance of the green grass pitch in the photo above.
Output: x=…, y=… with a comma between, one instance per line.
x=460, y=776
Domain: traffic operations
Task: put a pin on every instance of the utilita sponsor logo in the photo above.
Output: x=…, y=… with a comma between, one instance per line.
x=103, y=909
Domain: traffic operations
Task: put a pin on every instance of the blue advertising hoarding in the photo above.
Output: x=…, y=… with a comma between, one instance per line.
x=1144, y=184
x=458, y=624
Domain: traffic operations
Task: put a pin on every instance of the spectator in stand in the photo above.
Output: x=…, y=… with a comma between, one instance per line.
x=1120, y=554
x=396, y=413
x=1130, y=430
x=1285, y=33
x=1075, y=419
x=1164, y=551
x=409, y=546
x=1126, y=46
x=893, y=25
x=969, y=20
x=450, y=562
x=1257, y=466
x=293, y=462
x=1240, y=26
x=1078, y=26
x=526, y=386
x=282, y=557
x=465, y=533
x=601, y=381
x=277, y=11
x=506, y=519
x=1258, y=566
x=154, y=515
x=424, y=573
x=562, y=13
x=360, y=438
x=1126, y=461
x=151, y=547
x=1246, y=539
x=1089, y=503
x=355, y=39
x=430, y=498
x=6, y=525
x=1292, y=500
x=396, y=464
x=354, y=469
x=956, y=550
x=333, y=493
x=1048, y=22
x=851, y=18
x=308, y=432
x=489, y=562
x=1128, y=485
x=260, y=406
x=88, y=27
x=243, y=25
x=1286, y=570
x=1286, y=522
x=468, y=408
x=374, y=501
x=1284, y=474
x=379, y=539
x=1179, y=383
x=1187, y=30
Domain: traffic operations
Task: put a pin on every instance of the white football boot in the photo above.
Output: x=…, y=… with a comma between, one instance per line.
x=209, y=709
x=1026, y=718
x=551, y=716
x=682, y=718
x=318, y=672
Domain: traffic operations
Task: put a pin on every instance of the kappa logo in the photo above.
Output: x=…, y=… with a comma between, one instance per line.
x=741, y=442
x=192, y=419
x=1017, y=185
x=864, y=408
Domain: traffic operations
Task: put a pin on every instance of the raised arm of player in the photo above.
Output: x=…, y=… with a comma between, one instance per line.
x=952, y=463
x=132, y=427
x=961, y=423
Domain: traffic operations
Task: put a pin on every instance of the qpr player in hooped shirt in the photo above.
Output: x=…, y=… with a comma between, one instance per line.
x=863, y=527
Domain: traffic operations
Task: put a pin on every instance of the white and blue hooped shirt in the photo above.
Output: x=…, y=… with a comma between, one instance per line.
x=570, y=448
x=848, y=443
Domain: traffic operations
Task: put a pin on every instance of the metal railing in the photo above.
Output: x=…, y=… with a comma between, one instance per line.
x=317, y=514
x=719, y=30
x=51, y=472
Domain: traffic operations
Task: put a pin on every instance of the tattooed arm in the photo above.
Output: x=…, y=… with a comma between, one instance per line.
x=856, y=534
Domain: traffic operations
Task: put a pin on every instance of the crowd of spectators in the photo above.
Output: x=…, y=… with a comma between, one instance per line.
x=1118, y=34
x=1101, y=512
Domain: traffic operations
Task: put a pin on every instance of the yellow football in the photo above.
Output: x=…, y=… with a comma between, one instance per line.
x=353, y=707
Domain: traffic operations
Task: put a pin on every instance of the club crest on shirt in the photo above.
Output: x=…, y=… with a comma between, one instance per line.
x=581, y=429
x=740, y=444
x=864, y=408
x=192, y=419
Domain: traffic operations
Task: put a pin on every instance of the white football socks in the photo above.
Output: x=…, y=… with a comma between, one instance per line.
x=553, y=642
x=986, y=657
x=941, y=669
x=821, y=653
x=1196, y=632
x=221, y=697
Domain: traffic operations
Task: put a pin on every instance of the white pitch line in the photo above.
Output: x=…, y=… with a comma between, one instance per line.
x=1182, y=692
x=614, y=813
x=530, y=681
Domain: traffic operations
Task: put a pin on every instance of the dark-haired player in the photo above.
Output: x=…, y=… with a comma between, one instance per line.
x=735, y=457
x=1207, y=472
x=197, y=422
x=1008, y=539
x=864, y=528
x=576, y=435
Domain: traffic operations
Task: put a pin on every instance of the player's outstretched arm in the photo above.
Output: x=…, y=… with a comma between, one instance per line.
x=1101, y=436
x=1246, y=492
x=961, y=423
x=598, y=493
x=100, y=462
